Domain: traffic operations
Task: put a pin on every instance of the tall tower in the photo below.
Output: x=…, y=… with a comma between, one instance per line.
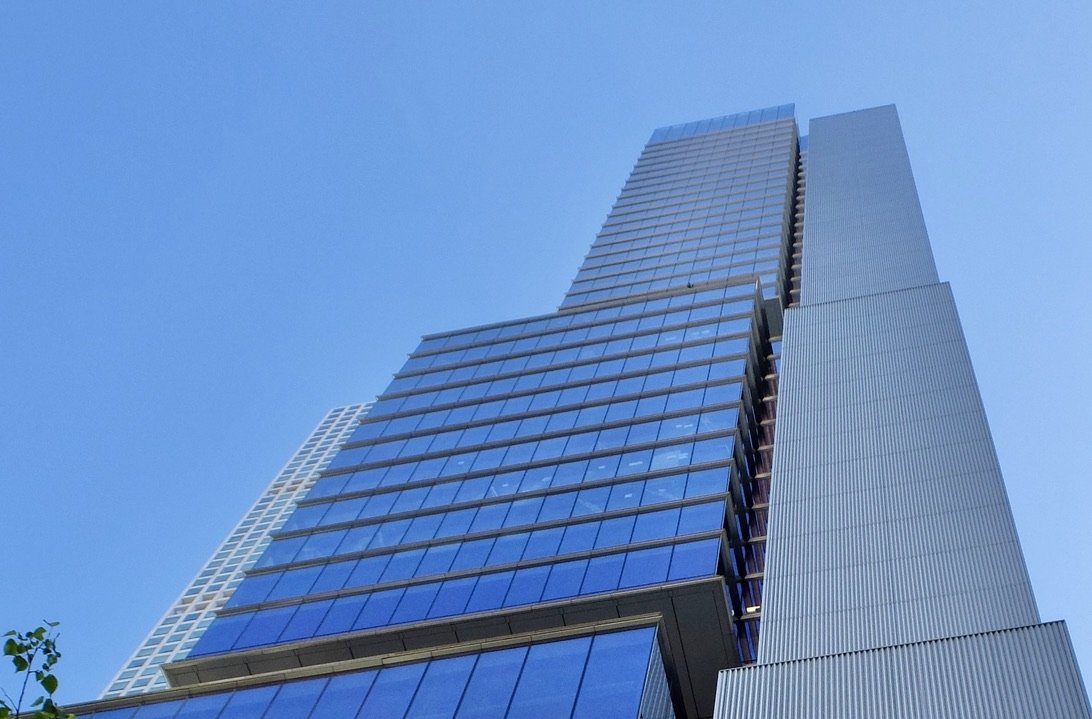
x=567, y=515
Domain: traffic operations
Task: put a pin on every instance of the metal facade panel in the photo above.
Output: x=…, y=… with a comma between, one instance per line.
x=889, y=521
x=1022, y=673
x=863, y=230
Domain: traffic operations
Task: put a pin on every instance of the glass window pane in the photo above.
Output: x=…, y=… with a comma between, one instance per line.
x=489, y=592
x=579, y=537
x=603, y=574
x=344, y=695
x=645, y=566
x=402, y=565
x=342, y=614
x=507, y=549
x=442, y=688
x=565, y=579
x=527, y=585
x=392, y=691
x=377, y=612
x=294, y=583
x=701, y=518
x=221, y=634
x=614, y=532
x=452, y=597
x=205, y=707
x=543, y=543
x=472, y=554
x=333, y=577
x=491, y=684
x=296, y=699
x=550, y=678
x=694, y=559
x=415, y=603
x=305, y=621
x=655, y=525
x=265, y=627
x=614, y=679
x=250, y=703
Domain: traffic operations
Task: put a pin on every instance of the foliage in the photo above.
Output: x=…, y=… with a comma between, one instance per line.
x=34, y=654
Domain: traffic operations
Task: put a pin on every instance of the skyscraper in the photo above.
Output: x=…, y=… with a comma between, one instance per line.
x=568, y=514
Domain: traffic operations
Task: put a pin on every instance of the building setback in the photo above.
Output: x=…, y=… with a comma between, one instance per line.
x=586, y=513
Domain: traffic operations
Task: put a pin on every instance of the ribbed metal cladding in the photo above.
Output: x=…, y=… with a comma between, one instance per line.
x=1022, y=673
x=863, y=230
x=889, y=521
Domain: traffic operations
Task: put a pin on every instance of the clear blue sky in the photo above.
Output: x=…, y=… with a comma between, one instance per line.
x=218, y=220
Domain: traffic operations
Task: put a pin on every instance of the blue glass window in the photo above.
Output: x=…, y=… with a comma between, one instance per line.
x=489, y=592
x=377, y=612
x=342, y=614
x=646, y=566
x=250, y=703
x=489, y=691
x=452, y=597
x=441, y=688
x=603, y=574
x=392, y=691
x=204, y=707
x=550, y=679
x=565, y=580
x=265, y=627
x=527, y=585
x=296, y=699
x=613, y=681
x=344, y=695
x=305, y=621
x=416, y=601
